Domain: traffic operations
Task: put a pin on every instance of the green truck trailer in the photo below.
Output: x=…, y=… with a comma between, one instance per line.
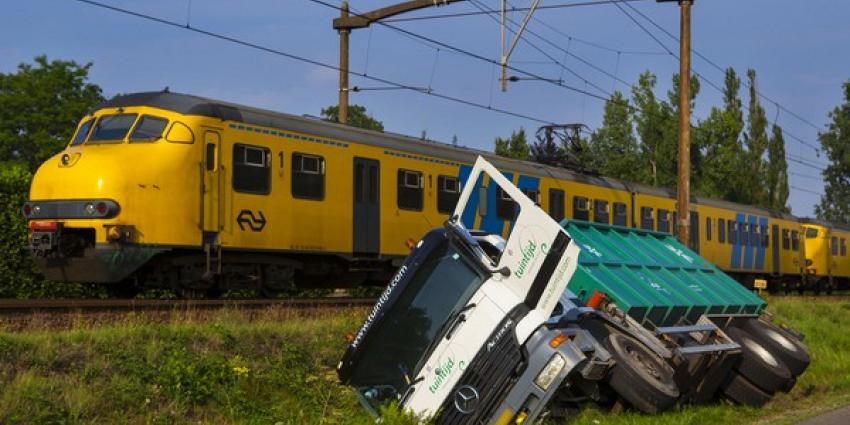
x=476, y=329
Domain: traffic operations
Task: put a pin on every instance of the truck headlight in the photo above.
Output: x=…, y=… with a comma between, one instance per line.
x=549, y=372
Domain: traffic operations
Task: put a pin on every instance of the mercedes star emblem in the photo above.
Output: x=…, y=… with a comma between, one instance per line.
x=466, y=399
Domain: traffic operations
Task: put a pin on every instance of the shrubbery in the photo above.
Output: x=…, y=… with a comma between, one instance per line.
x=18, y=277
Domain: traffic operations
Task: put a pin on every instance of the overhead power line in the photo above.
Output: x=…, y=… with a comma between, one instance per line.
x=720, y=68
x=512, y=9
x=314, y=62
x=800, y=189
x=474, y=55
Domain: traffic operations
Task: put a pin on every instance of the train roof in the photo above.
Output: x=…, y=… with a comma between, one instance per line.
x=196, y=105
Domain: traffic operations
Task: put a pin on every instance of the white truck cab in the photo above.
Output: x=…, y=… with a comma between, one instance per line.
x=446, y=338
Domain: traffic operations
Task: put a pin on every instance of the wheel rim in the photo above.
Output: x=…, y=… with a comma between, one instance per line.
x=780, y=339
x=760, y=351
x=647, y=364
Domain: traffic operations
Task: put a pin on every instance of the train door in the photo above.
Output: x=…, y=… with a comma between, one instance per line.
x=367, y=212
x=693, y=235
x=212, y=185
x=774, y=242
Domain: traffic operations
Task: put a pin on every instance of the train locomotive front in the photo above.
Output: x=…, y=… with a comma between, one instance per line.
x=125, y=189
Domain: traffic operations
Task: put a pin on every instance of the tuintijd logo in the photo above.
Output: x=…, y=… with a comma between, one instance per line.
x=443, y=372
x=528, y=253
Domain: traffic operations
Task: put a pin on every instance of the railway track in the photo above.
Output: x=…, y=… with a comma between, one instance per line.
x=13, y=306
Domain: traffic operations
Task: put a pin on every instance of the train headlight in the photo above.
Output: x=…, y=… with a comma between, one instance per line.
x=90, y=209
x=549, y=372
x=36, y=209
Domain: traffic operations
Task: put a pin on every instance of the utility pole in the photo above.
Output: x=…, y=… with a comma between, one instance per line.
x=684, y=181
x=346, y=23
x=342, y=115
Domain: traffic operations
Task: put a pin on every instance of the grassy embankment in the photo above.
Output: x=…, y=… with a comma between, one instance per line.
x=278, y=367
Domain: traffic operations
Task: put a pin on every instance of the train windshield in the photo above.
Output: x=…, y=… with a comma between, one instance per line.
x=111, y=128
x=149, y=129
x=441, y=286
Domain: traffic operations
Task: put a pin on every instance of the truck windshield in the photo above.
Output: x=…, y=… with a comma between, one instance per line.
x=441, y=285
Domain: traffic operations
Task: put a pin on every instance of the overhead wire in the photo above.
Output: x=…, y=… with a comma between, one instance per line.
x=308, y=60
x=512, y=9
x=720, y=68
x=708, y=81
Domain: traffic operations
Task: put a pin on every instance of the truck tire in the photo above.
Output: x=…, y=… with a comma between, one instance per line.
x=758, y=363
x=742, y=391
x=781, y=343
x=641, y=377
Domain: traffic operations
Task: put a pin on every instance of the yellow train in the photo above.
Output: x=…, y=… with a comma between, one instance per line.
x=169, y=190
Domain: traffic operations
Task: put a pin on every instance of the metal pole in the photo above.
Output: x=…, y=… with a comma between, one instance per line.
x=343, y=67
x=684, y=186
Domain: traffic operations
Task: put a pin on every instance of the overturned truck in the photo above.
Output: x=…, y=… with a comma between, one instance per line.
x=477, y=329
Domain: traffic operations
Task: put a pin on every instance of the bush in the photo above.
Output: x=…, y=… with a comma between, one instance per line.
x=18, y=276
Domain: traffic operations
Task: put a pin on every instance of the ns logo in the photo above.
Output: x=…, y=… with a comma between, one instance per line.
x=246, y=218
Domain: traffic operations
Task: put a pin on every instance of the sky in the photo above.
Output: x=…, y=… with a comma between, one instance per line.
x=799, y=49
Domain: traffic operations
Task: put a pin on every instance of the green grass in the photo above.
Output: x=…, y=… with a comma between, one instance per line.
x=278, y=368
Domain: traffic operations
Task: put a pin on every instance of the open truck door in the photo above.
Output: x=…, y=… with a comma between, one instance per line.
x=538, y=258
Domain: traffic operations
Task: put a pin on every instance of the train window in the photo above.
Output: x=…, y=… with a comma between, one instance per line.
x=646, y=219
x=111, y=128
x=410, y=191
x=833, y=245
x=721, y=230
x=448, y=193
x=532, y=194
x=600, y=211
x=733, y=232
x=580, y=209
x=251, y=169
x=308, y=176
x=708, y=228
x=795, y=240
x=180, y=133
x=755, y=235
x=663, y=220
x=82, y=133
x=811, y=233
x=786, y=239
x=506, y=208
x=843, y=247
x=620, y=214
x=148, y=129
x=556, y=204
x=765, y=237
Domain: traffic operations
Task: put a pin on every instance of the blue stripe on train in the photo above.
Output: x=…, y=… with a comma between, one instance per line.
x=762, y=250
x=736, y=244
x=491, y=222
x=748, y=250
x=468, y=216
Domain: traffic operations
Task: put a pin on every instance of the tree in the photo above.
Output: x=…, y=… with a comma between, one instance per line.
x=835, y=202
x=756, y=142
x=653, y=120
x=515, y=146
x=357, y=117
x=40, y=106
x=615, y=149
x=719, y=138
x=777, y=172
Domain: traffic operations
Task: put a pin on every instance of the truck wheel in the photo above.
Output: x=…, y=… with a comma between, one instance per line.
x=742, y=391
x=640, y=376
x=781, y=343
x=758, y=363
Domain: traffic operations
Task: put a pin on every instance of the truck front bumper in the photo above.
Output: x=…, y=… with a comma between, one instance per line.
x=553, y=354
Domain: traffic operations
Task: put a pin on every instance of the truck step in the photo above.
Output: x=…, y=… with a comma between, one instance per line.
x=672, y=330
x=711, y=348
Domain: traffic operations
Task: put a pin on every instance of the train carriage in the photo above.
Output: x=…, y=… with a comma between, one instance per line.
x=177, y=191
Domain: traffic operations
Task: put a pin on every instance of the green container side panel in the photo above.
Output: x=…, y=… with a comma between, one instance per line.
x=652, y=277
